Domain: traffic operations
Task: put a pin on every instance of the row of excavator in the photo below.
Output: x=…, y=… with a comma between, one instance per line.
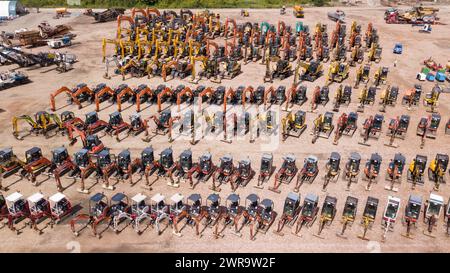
x=117, y=212
x=122, y=167
x=170, y=45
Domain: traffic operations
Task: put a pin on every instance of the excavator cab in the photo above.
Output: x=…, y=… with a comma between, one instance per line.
x=186, y=160
x=237, y=98
x=59, y=155
x=232, y=204
x=371, y=94
x=311, y=165
x=373, y=165
x=289, y=164
x=92, y=141
x=91, y=118
x=267, y=212
x=135, y=121
x=258, y=95
x=226, y=164
x=164, y=117
x=166, y=158
x=354, y=162
x=435, y=121
x=105, y=159
x=329, y=207
x=438, y=167
x=6, y=155
x=244, y=168
x=404, y=123
x=347, y=94
x=328, y=121
x=324, y=95
x=218, y=95
x=413, y=208
x=291, y=204
x=205, y=162
x=266, y=163
x=399, y=162
x=119, y=203
x=147, y=156
x=98, y=205
x=352, y=119
x=115, y=119
x=370, y=210
x=252, y=204
x=299, y=119
x=280, y=94
x=213, y=203
x=435, y=205
x=299, y=95
x=334, y=162
x=67, y=116
x=378, y=122
x=33, y=154
x=194, y=204
x=310, y=205
x=350, y=208
x=124, y=159
x=81, y=158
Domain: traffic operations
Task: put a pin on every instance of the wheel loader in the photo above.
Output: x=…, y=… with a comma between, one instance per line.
x=294, y=124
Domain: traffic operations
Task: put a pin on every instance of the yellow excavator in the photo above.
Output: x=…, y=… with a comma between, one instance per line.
x=293, y=124
x=431, y=99
x=42, y=123
x=337, y=72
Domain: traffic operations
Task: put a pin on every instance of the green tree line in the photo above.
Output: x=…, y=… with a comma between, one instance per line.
x=176, y=3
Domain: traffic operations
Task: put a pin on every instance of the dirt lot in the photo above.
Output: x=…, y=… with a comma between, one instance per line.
x=33, y=97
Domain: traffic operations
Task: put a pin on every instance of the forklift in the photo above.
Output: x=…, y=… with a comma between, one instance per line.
x=416, y=170
x=394, y=171
x=412, y=214
x=368, y=217
x=291, y=211
x=333, y=169
x=266, y=170
x=308, y=213
x=437, y=169
x=372, y=169
x=308, y=173
x=286, y=173
x=327, y=214
x=432, y=213
x=390, y=215
x=348, y=215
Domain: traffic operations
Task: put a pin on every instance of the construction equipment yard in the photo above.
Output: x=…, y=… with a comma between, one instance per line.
x=34, y=96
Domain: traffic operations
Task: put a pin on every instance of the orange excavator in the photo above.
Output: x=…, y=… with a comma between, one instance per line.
x=77, y=95
x=91, y=142
x=164, y=124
